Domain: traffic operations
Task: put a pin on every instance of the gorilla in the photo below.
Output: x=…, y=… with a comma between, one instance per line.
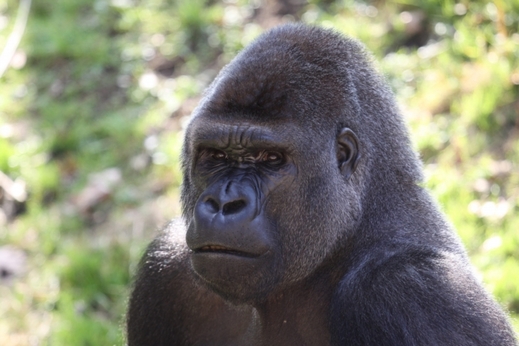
x=305, y=217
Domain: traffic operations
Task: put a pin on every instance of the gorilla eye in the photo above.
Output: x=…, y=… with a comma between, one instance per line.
x=218, y=155
x=272, y=158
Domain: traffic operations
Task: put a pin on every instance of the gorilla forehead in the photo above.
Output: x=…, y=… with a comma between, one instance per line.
x=242, y=135
x=290, y=72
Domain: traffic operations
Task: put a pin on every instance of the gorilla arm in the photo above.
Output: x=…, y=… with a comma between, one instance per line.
x=169, y=306
x=417, y=296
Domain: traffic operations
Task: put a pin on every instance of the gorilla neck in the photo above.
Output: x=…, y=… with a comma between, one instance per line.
x=391, y=219
x=285, y=316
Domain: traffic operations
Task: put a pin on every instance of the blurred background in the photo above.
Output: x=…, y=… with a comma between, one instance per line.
x=94, y=99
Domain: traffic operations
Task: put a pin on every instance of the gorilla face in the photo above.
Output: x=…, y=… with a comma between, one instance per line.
x=257, y=223
x=232, y=234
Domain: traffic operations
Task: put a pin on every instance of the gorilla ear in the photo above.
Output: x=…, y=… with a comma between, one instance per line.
x=347, y=152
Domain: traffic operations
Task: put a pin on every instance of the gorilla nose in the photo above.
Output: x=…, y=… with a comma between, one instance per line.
x=233, y=202
x=231, y=207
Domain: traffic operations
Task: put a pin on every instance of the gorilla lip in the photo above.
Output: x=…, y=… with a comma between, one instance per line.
x=207, y=249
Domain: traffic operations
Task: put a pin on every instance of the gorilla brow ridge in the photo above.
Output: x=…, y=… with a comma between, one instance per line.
x=234, y=137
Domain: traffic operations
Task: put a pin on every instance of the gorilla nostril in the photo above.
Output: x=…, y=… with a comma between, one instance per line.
x=233, y=207
x=212, y=205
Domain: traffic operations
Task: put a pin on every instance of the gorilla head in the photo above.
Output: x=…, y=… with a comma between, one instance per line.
x=277, y=166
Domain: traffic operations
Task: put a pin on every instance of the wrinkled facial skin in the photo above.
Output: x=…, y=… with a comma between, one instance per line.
x=232, y=235
x=256, y=223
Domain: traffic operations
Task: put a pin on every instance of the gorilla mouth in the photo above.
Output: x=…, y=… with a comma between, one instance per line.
x=224, y=250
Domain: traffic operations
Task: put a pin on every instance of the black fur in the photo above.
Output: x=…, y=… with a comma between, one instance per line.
x=306, y=222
